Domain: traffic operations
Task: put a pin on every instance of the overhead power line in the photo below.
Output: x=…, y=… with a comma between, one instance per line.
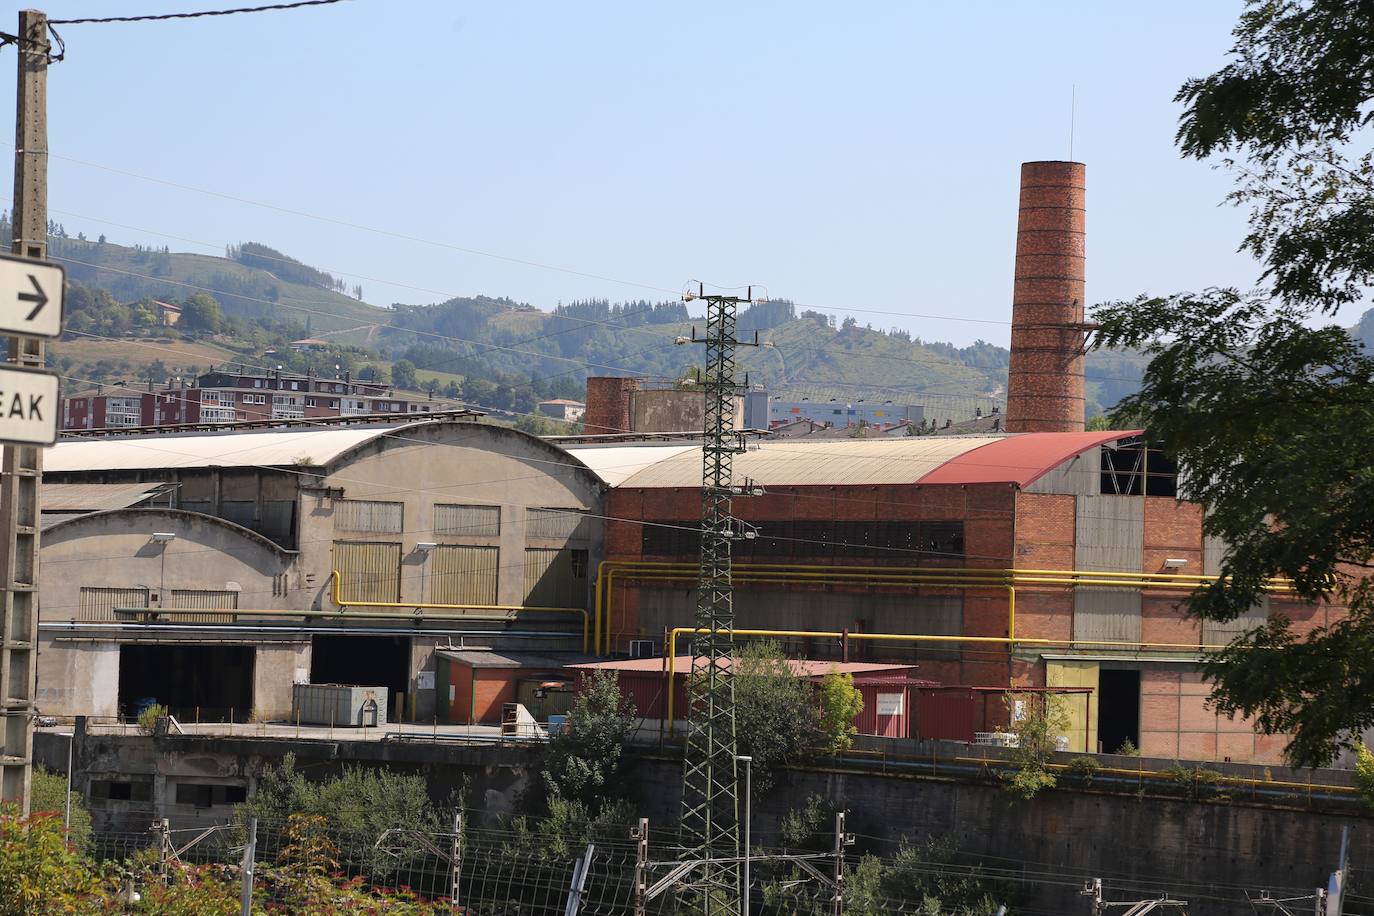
x=159, y=17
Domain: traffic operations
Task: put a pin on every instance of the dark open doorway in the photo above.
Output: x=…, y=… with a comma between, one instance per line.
x=1118, y=709
x=209, y=683
x=364, y=661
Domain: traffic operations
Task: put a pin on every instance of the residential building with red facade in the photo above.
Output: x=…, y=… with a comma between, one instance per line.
x=237, y=397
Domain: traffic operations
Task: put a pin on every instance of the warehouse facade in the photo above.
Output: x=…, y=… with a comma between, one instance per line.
x=328, y=555
x=1051, y=559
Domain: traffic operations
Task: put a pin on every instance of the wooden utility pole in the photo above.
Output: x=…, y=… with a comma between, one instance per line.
x=23, y=465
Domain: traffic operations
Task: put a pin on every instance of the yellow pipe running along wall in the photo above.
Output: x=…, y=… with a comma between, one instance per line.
x=513, y=609
x=1009, y=579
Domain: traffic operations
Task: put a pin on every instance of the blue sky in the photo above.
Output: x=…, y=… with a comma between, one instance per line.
x=847, y=156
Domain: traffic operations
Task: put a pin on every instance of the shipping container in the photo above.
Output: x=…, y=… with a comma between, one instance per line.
x=338, y=704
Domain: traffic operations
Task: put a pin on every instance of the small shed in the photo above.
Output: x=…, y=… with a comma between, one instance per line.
x=472, y=685
x=886, y=688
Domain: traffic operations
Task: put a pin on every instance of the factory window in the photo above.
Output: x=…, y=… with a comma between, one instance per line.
x=1135, y=468
x=368, y=571
x=98, y=604
x=368, y=515
x=462, y=520
x=122, y=789
x=556, y=524
x=464, y=574
x=208, y=795
x=555, y=578
x=895, y=542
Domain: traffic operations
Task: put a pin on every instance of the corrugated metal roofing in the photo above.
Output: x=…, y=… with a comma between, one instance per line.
x=802, y=667
x=94, y=497
x=1014, y=458
x=617, y=463
x=200, y=450
x=797, y=463
x=1019, y=459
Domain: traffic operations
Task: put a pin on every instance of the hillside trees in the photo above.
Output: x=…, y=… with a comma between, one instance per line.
x=200, y=313
x=1264, y=402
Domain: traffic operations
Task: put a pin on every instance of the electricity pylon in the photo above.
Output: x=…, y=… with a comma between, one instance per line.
x=710, y=799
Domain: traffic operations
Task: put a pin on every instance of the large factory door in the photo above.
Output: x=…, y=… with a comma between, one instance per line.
x=1118, y=709
x=205, y=683
x=364, y=661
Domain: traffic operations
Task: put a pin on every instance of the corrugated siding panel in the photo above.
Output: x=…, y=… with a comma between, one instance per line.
x=98, y=604
x=463, y=575
x=369, y=571
x=1214, y=633
x=467, y=521
x=949, y=715
x=1079, y=476
x=555, y=578
x=1106, y=613
x=556, y=524
x=202, y=599
x=1110, y=533
x=368, y=515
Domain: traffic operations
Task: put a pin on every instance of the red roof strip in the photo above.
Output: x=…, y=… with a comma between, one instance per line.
x=1020, y=459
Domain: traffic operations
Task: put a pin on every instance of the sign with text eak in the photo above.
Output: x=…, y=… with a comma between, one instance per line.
x=31, y=296
x=28, y=406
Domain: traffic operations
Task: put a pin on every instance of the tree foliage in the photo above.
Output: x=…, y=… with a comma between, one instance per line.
x=586, y=762
x=1269, y=413
x=781, y=718
x=1037, y=721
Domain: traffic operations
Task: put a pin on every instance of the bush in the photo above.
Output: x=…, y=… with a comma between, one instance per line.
x=585, y=763
x=1037, y=721
x=147, y=720
x=47, y=796
x=1364, y=772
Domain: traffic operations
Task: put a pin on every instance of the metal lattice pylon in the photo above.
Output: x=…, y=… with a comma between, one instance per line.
x=710, y=800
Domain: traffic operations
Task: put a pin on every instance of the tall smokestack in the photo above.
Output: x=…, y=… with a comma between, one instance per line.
x=1045, y=378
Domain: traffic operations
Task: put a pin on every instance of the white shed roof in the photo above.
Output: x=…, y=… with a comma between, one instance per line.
x=203, y=450
x=615, y=464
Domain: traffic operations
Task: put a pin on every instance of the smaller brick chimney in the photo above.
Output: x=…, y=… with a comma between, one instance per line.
x=608, y=405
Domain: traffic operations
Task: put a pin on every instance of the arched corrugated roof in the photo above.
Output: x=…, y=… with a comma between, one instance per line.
x=1016, y=459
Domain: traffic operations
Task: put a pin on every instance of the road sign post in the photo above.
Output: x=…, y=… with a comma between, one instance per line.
x=31, y=297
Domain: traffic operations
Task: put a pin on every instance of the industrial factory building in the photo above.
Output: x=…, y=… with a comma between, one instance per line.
x=327, y=555
x=214, y=570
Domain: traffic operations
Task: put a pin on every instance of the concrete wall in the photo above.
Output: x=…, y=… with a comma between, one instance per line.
x=77, y=677
x=276, y=667
x=1141, y=846
x=116, y=550
x=669, y=410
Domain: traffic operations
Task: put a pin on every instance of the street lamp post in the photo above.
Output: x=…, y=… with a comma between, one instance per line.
x=748, y=818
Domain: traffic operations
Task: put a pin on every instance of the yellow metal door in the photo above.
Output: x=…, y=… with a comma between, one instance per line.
x=1081, y=708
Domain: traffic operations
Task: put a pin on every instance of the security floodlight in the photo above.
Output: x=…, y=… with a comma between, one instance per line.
x=162, y=537
x=681, y=341
x=426, y=545
x=1175, y=563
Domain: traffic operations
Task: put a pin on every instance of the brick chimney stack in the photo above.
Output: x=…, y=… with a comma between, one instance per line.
x=1045, y=378
x=608, y=405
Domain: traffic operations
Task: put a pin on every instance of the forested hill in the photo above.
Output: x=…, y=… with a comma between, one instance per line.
x=253, y=282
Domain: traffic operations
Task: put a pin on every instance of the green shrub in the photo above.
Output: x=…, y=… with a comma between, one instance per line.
x=147, y=720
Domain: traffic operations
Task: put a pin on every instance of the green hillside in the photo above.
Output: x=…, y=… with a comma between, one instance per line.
x=497, y=345
x=258, y=283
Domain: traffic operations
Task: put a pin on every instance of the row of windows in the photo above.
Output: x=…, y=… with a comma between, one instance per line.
x=818, y=539
x=459, y=520
x=460, y=574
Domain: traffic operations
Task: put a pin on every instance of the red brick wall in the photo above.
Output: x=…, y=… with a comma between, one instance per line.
x=608, y=405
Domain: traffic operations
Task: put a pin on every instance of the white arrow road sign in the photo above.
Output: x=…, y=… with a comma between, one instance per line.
x=28, y=406
x=31, y=297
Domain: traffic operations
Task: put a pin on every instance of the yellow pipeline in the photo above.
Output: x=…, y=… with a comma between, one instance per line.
x=933, y=576
x=417, y=606
x=919, y=638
